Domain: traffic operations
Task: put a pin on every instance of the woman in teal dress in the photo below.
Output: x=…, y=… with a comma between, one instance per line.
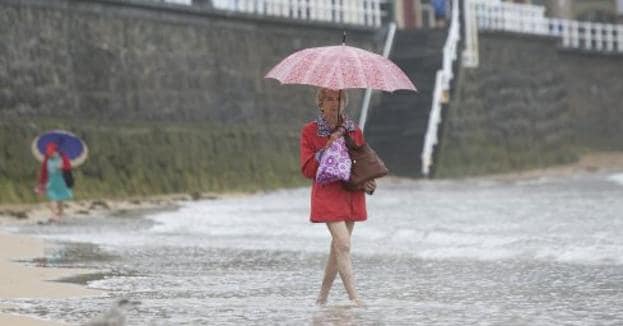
x=52, y=182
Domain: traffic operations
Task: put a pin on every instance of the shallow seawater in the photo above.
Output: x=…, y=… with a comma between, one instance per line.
x=538, y=252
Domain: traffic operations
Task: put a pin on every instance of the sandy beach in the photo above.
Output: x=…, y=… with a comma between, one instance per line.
x=590, y=163
x=21, y=281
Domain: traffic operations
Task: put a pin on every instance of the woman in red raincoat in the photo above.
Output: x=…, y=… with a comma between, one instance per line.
x=331, y=203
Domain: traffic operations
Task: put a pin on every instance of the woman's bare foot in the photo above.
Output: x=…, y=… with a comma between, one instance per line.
x=321, y=302
x=357, y=302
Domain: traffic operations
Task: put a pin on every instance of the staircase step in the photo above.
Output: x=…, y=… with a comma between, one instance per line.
x=397, y=123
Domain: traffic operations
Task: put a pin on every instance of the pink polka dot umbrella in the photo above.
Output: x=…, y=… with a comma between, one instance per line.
x=340, y=67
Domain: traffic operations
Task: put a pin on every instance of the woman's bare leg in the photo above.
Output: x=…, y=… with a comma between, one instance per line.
x=331, y=270
x=60, y=209
x=341, y=248
x=52, y=207
x=56, y=208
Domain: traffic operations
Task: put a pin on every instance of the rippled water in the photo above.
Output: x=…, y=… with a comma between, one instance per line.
x=540, y=252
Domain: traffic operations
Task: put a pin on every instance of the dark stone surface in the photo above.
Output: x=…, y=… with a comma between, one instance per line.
x=531, y=104
x=136, y=60
x=169, y=98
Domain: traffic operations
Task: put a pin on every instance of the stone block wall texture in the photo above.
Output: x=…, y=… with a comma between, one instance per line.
x=167, y=77
x=530, y=104
x=110, y=60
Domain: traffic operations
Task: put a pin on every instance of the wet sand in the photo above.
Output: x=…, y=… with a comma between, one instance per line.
x=40, y=212
x=20, y=281
x=587, y=164
x=6, y=319
x=590, y=163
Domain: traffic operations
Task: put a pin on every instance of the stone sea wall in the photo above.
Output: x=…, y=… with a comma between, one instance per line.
x=169, y=98
x=530, y=104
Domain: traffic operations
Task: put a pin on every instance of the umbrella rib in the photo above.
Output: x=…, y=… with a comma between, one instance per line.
x=339, y=75
x=391, y=81
x=360, y=68
x=325, y=81
x=380, y=74
x=335, y=71
x=393, y=78
x=315, y=63
x=285, y=68
x=398, y=77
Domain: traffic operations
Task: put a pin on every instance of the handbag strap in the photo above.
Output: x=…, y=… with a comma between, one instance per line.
x=350, y=142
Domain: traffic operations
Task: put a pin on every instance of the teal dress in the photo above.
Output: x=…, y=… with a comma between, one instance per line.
x=56, y=188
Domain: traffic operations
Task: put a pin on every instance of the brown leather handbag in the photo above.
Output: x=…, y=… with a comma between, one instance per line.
x=367, y=165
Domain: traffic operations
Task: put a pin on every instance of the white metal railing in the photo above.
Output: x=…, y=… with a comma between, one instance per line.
x=389, y=42
x=442, y=87
x=530, y=19
x=509, y=16
x=356, y=12
x=180, y=2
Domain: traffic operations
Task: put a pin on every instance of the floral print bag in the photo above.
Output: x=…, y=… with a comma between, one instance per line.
x=335, y=164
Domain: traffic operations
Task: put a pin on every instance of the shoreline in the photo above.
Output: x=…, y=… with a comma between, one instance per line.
x=589, y=163
x=22, y=281
x=38, y=212
x=597, y=162
x=26, y=281
x=35, y=212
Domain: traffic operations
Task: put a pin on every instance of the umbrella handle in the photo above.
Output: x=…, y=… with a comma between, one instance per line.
x=339, y=103
x=344, y=38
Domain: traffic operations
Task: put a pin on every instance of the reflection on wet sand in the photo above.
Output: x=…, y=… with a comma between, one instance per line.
x=336, y=315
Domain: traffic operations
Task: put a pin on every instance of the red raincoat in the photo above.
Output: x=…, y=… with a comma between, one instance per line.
x=43, y=176
x=330, y=202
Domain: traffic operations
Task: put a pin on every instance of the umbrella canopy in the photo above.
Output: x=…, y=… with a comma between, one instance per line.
x=68, y=143
x=341, y=67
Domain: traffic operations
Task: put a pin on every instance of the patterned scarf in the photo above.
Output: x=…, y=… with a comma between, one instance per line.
x=324, y=129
